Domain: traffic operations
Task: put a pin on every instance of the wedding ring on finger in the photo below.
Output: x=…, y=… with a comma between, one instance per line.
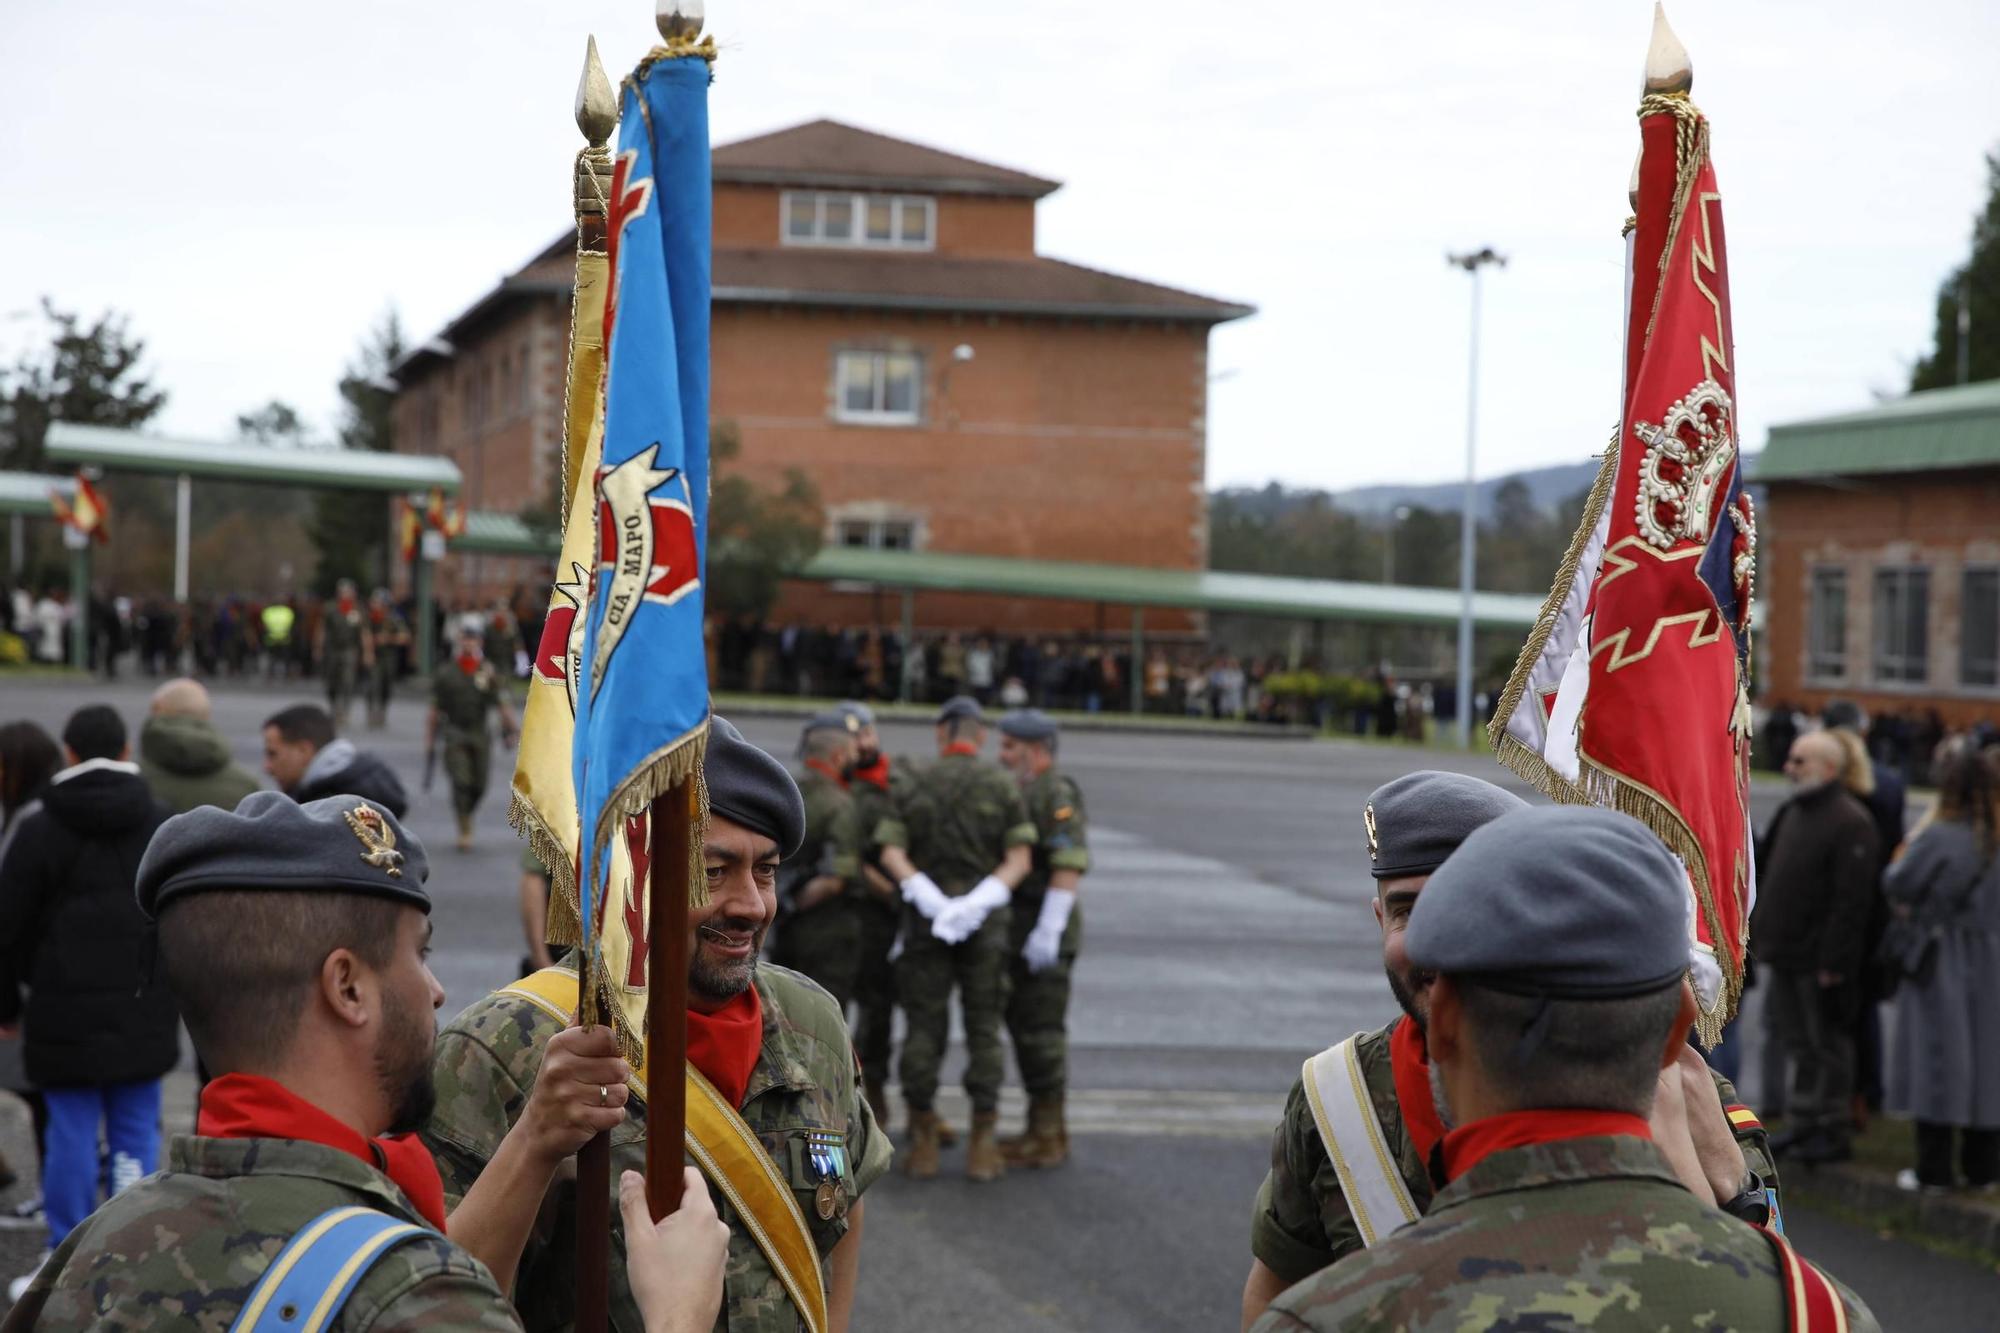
x=603, y=1095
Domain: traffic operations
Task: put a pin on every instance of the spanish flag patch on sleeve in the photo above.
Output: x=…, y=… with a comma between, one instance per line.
x=1742, y=1119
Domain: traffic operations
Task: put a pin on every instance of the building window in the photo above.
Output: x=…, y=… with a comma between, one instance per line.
x=1827, y=644
x=879, y=388
x=839, y=217
x=877, y=534
x=1902, y=624
x=1979, y=629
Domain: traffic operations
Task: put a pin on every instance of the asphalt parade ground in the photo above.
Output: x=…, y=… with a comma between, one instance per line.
x=1227, y=937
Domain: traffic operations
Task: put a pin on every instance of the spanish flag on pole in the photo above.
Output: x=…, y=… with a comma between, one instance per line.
x=85, y=511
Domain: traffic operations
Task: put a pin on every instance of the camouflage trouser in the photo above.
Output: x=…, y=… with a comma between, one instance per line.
x=925, y=975
x=467, y=757
x=342, y=669
x=381, y=682
x=825, y=944
x=875, y=992
x=1038, y=1004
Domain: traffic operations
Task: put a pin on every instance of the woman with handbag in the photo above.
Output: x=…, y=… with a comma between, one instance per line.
x=1944, y=939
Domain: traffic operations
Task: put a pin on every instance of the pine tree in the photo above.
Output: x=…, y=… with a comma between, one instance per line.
x=1976, y=284
x=350, y=529
x=87, y=374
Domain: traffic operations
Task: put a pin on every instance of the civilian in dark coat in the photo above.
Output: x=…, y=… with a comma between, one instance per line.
x=101, y=1030
x=1883, y=791
x=308, y=762
x=1815, y=888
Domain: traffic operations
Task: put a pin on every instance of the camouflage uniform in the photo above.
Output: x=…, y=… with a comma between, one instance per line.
x=1576, y=1234
x=875, y=974
x=188, y=1246
x=341, y=639
x=804, y=1080
x=1302, y=1223
x=1038, y=1002
x=956, y=820
x=392, y=639
x=462, y=703
x=822, y=941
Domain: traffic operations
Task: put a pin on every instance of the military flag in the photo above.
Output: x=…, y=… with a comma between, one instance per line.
x=83, y=511
x=1632, y=690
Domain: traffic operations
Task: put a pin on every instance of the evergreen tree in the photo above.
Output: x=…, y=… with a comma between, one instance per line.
x=756, y=537
x=87, y=374
x=1976, y=285
x=350, y=529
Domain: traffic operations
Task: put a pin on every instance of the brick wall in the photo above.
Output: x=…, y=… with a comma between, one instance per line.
x=1942, y=522
x=750, y=216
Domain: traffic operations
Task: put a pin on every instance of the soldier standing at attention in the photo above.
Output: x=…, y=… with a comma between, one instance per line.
x=1045, y=934
x=872, y=781
x=1370, y=1094
x=1557, y=940
x=392, y=641
x=956, y=845
x=774, y=1102
x=294, y=939
x=345, y=646
x=463, y=691
x=819, y=933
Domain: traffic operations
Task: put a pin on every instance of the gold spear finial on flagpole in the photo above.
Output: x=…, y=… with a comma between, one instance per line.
x=1668, y=69
x=597, y=117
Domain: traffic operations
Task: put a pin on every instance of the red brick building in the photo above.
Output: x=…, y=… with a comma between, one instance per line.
x=1880, y=568
x=883, y=322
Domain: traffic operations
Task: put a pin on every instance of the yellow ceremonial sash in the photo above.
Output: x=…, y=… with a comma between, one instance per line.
x=729, y=1154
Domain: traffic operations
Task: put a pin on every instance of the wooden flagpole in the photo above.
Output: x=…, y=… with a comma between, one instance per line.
x=667, y=887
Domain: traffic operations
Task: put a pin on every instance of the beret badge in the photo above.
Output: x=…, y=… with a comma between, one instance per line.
x=1368, y=822
x=378, y=841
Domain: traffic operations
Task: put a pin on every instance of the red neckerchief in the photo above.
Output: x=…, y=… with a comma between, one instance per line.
x=247, y=1106
x=822, y=767
x=1469, y=1145
x=468, y=663
x=376, y=615
x=877, y=772
x=346, y=606
x=1410, y=1063
x=724, y=1045
x=962, y=747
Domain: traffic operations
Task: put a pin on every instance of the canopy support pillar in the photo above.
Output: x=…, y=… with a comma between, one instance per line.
x=1138, y=672
x=909, y=645
x=183, y=518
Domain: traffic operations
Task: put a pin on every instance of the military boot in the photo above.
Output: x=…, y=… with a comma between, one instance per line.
x=947, y=1136
x=878, y=1102
x=920, y=1161
x=465, y=833
x=1046, y=1142
x=982, y=1155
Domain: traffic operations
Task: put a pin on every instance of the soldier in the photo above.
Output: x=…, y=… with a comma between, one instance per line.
x=956, y=845
x=1045, y=934
x=463, y=690
x=294, y=940
x=1374, y=1087
x=1556, y=941
x=768, y=1055
x=344, y=643
x=392, y=643
x=819, y=933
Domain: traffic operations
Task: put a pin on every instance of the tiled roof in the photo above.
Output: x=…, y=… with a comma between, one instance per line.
x=828, y=153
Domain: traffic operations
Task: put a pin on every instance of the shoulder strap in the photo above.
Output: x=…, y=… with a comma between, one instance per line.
x=1812, y=1304
x=731, y=1155
x=306, y=1285
x=1369, y=1179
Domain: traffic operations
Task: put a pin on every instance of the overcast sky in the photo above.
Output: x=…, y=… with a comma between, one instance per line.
x=254, y=183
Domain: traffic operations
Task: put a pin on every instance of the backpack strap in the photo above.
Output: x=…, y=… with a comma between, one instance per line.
x=1369, y=1178
x=306, y=1285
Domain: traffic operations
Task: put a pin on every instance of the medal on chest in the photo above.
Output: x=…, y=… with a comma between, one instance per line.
x=826, y=1161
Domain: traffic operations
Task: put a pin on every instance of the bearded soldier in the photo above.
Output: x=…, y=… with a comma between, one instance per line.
x=1317, y=1205
x=767, y=1050
x=956, y=845
x=1555, y=943
x=1046, y=932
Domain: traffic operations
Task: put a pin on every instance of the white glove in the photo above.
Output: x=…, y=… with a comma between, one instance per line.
x=921, y=893
x=958, y=922
x=1045, y=940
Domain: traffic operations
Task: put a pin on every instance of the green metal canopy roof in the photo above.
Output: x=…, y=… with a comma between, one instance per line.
x=28, y=493
x=1200, y=590
x=489, y=532
x=1936, y=430
x=118, y=450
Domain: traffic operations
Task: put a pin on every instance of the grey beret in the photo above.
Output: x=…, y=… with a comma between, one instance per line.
x=341, y=844
x=831, y=720
x=860, y=712
x=961, y=706
x=1028, y=724
x=747, y=786
x=1414, y=822
x=1566, y=900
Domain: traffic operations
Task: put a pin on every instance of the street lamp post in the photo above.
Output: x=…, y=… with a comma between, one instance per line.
x=1468, y=526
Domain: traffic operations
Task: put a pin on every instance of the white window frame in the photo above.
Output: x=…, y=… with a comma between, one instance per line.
x=1826, y=655
x=877, y=527
x=1965, y=657
x=900, y=205
x=1896, y=661
x=878, y=415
